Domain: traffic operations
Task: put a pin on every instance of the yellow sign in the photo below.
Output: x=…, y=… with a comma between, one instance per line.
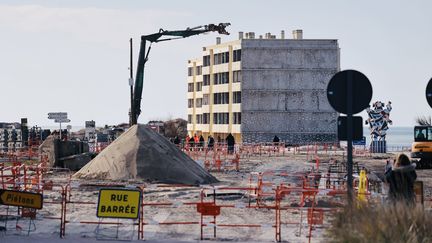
x=21, y=199
x=119, y=203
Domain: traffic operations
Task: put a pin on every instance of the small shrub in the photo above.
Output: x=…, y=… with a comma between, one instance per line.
x=392, y=222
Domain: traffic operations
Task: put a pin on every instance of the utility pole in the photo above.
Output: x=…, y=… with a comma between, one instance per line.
x=131, y=84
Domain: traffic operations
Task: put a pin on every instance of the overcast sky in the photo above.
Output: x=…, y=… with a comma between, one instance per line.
x=73, y=56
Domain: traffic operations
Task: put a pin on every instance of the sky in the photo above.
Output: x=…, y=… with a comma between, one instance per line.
x=73, y=56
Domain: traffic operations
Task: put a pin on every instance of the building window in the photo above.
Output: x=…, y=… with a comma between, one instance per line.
x=205, y=100
x=217, y=59
x=199, y=86
x=221, y=98
x=198, y=70
x=190, y=87
x=221, y=78
x=206, y=61
x=199, y=119
x=206, y=80
x=237, y=117
x=237, y=55
x=237, y=97
x=190, y=119
x=225, y=57
x=237, y=78
x=221, y=58
x=199, y=102
x=190, y=103
x=190, y=71
x=221, y=118
x=206, y=118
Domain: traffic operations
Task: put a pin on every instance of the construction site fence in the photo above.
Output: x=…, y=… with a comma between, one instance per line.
x=221, y=160
x=204, y=212
x=32, y=178
x=261, y=149
x=282, y=149
x=20, y=154
x=295, y=203
x=59, y=198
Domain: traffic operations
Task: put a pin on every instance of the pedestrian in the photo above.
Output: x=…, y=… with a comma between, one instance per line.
x=401, y=180
x=276, y=140
x=201, y=142
x=210, y=142
x=230, y=142
x=275, y=143
x=187, y=140
x=191, y=144
x=196, y=140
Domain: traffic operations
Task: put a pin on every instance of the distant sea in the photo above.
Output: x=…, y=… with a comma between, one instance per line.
x=396, y=136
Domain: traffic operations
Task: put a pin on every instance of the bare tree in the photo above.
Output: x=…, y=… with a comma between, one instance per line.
x=176, y=127
x=423, y=120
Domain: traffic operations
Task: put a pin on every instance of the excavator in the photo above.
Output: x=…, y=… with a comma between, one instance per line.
x=143, y=57
x=421, y=150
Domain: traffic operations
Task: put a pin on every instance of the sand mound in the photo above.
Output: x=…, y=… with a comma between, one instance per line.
x=141, y=153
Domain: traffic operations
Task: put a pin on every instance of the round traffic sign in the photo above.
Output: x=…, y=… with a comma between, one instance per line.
x=429, y=92
x=360, y=91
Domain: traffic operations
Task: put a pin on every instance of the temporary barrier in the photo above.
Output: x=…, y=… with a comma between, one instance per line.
x=229, y=162
x=315, y=213
x=297, y=201
x=288, y=202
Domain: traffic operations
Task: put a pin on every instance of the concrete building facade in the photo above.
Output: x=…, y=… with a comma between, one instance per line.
x=258, y=88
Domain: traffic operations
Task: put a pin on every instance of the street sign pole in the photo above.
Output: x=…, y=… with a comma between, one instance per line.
x=60, y=131
x=349, y=92
x=349, y=135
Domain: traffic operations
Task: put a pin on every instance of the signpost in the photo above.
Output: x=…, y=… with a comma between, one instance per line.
x=429, y=92
x=118, y=203
x=59, y=117
x=62, y=120
x=361, y=142
x=349, y=92
x=21, y=199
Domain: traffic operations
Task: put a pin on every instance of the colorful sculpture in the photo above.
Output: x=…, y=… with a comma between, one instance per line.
x=378, y=120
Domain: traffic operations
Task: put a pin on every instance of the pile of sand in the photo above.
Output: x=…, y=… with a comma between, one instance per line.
x=141, y=153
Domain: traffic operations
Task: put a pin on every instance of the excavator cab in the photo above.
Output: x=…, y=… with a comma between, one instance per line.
x=421, y=149
x=422, y=133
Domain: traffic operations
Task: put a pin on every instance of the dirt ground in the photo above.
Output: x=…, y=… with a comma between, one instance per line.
x=84, y=195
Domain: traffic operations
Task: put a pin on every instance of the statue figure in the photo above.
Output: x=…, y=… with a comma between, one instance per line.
x=378, y=120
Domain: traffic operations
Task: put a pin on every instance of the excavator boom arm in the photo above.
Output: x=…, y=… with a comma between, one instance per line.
x=143, y=56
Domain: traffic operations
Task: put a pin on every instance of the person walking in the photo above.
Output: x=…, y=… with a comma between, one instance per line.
x=276, y=140
x=210, y=142
x=201, y=142
x=401, y=180
x=230, y=142
x=187, y=140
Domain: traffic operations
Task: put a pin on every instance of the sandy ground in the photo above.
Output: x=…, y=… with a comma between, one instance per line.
x=47, y=230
